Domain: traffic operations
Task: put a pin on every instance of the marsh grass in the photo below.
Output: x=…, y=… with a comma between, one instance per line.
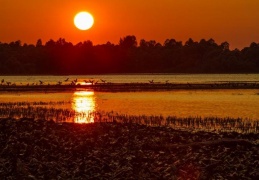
x=47, y=111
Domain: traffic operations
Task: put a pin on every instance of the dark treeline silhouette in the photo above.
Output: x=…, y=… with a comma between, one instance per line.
x=128, y=56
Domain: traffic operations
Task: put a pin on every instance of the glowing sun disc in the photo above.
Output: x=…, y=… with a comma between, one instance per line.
x=83, y=20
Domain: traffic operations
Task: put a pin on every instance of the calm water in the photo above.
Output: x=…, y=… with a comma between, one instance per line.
x=180, y=103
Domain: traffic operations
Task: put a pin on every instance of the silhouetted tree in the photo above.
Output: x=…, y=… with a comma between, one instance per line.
x=50, y=43
x=253, y=45
x=190, y=42
x=39, y=43
x=128, y=42
x=148, y=44
x=15, y=44
x=171, y=43
x=62, y=57
x=224, y=46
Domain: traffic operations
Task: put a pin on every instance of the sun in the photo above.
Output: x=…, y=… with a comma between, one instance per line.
x=83, y=20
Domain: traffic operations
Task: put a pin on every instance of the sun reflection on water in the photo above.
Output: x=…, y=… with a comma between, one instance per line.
x=83, y=105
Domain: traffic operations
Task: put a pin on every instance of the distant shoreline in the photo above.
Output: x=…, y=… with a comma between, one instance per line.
x=128, y=87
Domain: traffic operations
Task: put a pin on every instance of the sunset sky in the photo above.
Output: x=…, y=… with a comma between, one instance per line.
x=235, y=21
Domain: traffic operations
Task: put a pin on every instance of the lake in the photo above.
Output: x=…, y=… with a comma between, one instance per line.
x=234, y=103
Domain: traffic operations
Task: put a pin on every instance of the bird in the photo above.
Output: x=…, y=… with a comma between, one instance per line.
x=91, y=81
x=103, y=80
x=151, y=82
x=59, y=83
x=74, y=82
x=8, y=83
x=41, y=82
x=66, y=79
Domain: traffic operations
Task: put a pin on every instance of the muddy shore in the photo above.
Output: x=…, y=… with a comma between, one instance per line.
x=42, y=149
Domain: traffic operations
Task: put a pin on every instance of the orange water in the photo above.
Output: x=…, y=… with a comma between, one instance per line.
x=180, y=103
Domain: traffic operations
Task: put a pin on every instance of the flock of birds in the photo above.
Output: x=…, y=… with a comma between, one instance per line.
x=93, y=81
x=66, y=82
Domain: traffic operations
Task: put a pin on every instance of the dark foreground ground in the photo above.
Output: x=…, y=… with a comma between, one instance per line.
x=46, y=150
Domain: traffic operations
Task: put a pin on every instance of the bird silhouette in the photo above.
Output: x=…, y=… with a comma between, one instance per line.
x=41, y=82
x=103, y=80
x=59, y=83
x=74, y=82
x=151, y=82
x=66, y=79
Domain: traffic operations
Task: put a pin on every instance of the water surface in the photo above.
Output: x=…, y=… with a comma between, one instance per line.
x=180, y=103
x=77, y=106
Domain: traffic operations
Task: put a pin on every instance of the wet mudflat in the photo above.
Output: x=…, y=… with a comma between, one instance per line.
x=42, y=149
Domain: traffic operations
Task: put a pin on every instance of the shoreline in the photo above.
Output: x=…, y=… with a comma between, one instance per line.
x=127, y=87
x=45, y=149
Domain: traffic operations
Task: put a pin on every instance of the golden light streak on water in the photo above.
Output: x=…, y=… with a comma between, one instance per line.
x=83, y=103
x=84, y=83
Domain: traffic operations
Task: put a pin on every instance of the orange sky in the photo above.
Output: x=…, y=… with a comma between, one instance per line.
x=235, y=21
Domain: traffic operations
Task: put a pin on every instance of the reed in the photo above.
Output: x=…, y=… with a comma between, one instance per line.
x=47, y=111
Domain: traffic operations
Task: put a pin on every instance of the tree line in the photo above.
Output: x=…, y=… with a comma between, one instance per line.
x=128, y=56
